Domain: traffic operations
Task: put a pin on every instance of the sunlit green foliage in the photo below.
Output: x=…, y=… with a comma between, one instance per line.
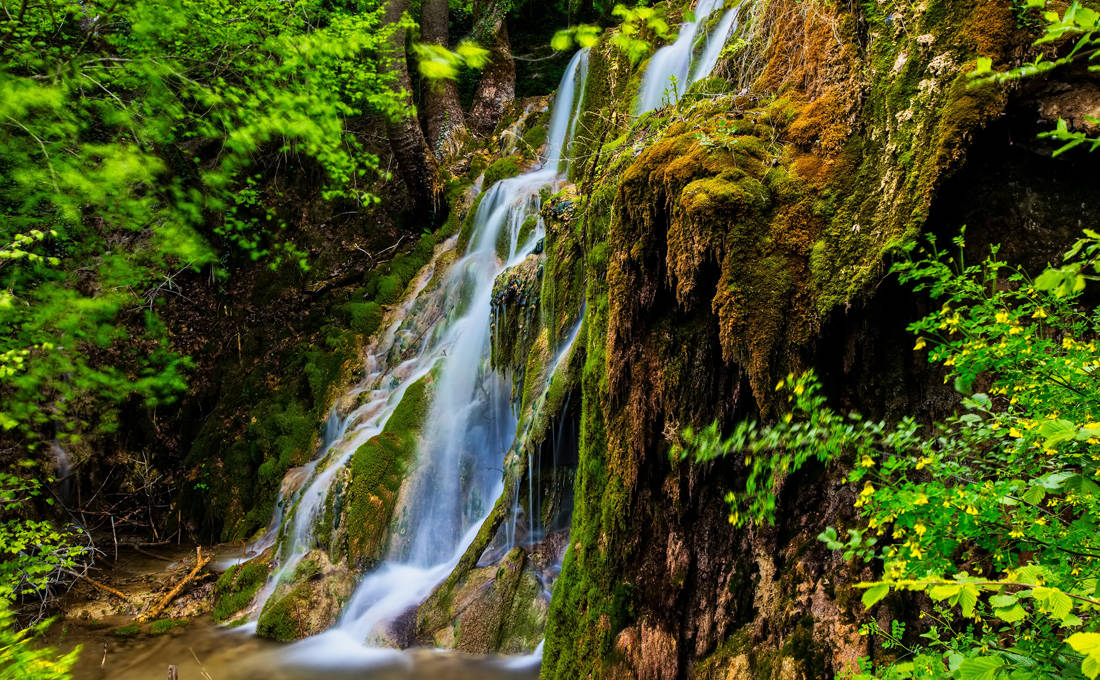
x=993, y=513
x=34, y=556
x=21, y=659
x=138, y=138
x=1079, y=27
x=640, y=28
x=436, y=62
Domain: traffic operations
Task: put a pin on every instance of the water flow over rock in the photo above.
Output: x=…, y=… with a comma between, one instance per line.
x=443, y=332
x=673, y=68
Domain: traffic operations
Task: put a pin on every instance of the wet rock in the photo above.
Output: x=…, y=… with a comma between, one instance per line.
x=310, y=603
x=496, y=609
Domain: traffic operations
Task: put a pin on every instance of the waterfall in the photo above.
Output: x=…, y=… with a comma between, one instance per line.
x=673, y=68
x=470, y=426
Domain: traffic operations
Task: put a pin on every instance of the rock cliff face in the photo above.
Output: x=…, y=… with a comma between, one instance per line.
x=738, y=238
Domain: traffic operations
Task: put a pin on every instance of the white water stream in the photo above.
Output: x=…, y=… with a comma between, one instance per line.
x=673, y=68
x=444, y=330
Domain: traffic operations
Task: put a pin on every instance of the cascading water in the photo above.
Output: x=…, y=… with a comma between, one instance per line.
x=470, y=426
x=673, y=68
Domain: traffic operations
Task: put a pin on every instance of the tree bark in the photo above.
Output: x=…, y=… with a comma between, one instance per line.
x=415, y=159
x=443, y=114
x=497, y=87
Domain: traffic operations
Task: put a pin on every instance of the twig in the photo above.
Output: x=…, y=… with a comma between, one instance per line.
x=100, y=586
x=171, y=594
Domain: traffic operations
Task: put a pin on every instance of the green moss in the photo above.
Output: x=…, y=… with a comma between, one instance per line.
x=524, y=626
x=165, y=625
x=377, y=469
x=527, y=228
x=129, y=630
x=283, y=620
x=363, y=317
x=236, y=587
x=502, y=168
x=468, y=224
x=534, y=138
x=264, y=425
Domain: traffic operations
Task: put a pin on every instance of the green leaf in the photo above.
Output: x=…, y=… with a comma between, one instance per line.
x=1053, y=601
x=968, y=597
x=1057, y=431
x=1090, y=666
x=475, y=56
x=1006, y=600
x=1011, y=614
x=942, y=592
x=1085, y=643
x=979, y=668
x=874, y=594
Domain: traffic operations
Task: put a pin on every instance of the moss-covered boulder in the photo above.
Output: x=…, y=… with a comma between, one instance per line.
x=236, y=587
x=494, y=609
x=374, y=477
x=502, y=169
x=310, y=602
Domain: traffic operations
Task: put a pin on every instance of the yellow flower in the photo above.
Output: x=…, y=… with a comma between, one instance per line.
x=1039, y=314
x=868, y=490
x=866, y=461
x=920, y=528
x=921, y=499
x=1002, y=317
x=1015, y=432
x=926, y=460
x=971, y=510
x=921, y=344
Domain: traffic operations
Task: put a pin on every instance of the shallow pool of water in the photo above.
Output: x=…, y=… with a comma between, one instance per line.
x=204, y=651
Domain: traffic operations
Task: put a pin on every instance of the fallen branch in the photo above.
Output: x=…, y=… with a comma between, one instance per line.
x=100, y=586
x=171, y=594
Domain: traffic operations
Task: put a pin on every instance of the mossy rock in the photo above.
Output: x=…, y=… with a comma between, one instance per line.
x=502, y=168
x=494, y=609
x=166, y=625
x=534, y=138
x=236, y=587
x=376, y=471
x=310, y=603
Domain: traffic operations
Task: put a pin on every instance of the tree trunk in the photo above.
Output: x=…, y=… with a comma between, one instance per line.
x=497, y=88
x=415, y=159
x=442, y=111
